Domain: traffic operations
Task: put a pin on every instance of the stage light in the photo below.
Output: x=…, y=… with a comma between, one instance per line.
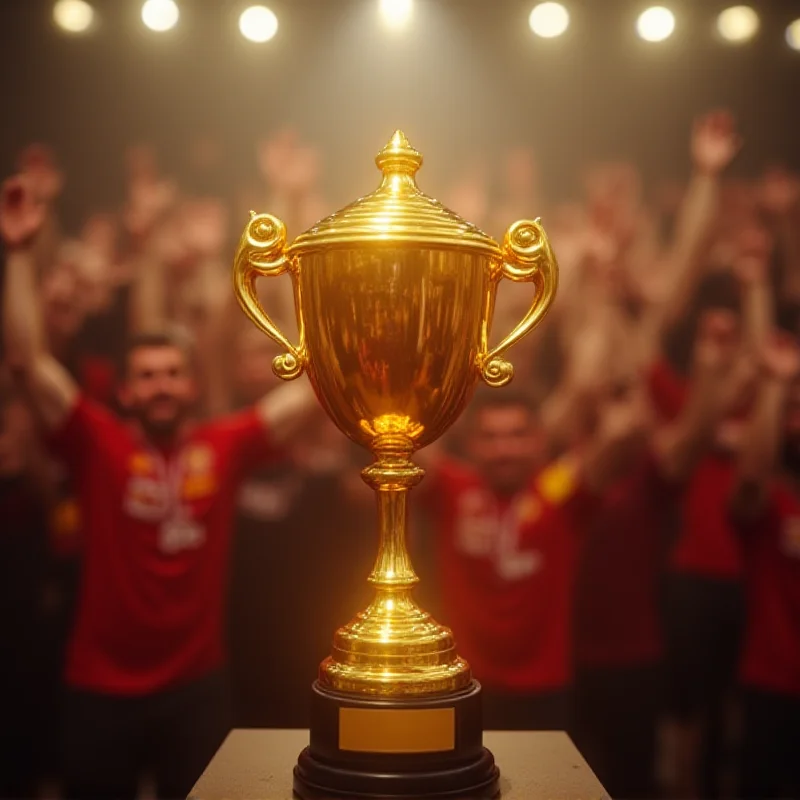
x=655, y=24
x=549, y=20
x=160, y=15
x=258, y=24
x=737, y=24
x=73, y=16
x=793, y=35
x=396, y=13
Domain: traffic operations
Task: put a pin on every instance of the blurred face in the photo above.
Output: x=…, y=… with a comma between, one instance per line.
x=159, y=389
x=507, y=444
x=62, y=306
x=92, y=275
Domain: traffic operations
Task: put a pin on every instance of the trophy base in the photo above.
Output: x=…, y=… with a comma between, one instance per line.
x=396, y=749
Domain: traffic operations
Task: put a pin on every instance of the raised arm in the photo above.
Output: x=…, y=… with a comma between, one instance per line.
x=758, y=457
x=147, y=206
x=779, y=198
x=678, y=446
x=287, y=410
x=617, y=441
x=48, y=385
x=751, y=267
x=713, y=146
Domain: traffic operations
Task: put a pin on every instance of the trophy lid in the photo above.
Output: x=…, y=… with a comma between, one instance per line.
x=397, y=212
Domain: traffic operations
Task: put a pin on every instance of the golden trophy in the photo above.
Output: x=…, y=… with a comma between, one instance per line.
x=394, y=296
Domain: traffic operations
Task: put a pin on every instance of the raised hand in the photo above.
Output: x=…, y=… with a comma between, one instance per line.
x=781, y=357
x=22, y=211
x=38, y=163
x=778, y=191
x=599, y=247
x=625, y=417
x=715, y=142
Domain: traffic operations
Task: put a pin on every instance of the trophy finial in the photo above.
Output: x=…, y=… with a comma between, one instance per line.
x=398, y=157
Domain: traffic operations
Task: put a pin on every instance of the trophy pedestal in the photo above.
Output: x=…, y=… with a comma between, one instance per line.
x=401, y=749
x=257, y=765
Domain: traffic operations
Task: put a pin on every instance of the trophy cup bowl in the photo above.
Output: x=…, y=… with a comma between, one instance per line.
x=394, y=296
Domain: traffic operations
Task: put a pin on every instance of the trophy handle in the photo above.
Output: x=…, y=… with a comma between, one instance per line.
x=262, y=253
x=527, y=256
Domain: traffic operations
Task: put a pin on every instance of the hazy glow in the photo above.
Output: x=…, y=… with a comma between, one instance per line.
x=737, y=23
x=655, y=24
x=549, y=20
x=160, y=15
x=793, y=35
x=258, y=24
x=74, y=16
x=397, y=13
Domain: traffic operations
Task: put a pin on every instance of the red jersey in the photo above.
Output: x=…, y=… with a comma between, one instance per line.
x=507, y=568
x=771, y=652
x=617, y=615
x=156, y=533
x=707, y=544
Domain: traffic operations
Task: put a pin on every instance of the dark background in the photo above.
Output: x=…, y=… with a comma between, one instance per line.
x=467, y=76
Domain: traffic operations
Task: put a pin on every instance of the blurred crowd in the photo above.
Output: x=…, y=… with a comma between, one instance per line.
x=614, y=539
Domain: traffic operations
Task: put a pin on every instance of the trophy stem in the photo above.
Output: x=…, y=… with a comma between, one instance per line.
x=393, y=570
x=393, y=647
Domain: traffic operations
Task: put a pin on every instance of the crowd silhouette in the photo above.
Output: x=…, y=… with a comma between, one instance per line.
x=615, y=539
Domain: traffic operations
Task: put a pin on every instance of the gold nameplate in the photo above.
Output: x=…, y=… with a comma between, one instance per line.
x=378, y=730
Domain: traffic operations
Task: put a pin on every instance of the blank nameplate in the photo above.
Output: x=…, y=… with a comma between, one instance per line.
x=379, y=730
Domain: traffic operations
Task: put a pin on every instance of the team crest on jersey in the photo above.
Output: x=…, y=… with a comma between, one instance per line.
x=146, y=498
x=140, y=463
x=472, y=501
x=790, y=537
x=557, y=483
x=475, y=524
x=528, y=508
x=200, y=478
x=199, y=458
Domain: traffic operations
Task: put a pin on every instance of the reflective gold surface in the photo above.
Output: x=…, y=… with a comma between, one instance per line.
x=394, y=298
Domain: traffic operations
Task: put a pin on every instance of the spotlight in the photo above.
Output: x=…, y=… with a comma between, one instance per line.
x=793, y=35
x=160, y=15
x=396, y=13
x=737, y=24
x=655, y=24
x=258, y=24
x=549, y=20
x=73, y=16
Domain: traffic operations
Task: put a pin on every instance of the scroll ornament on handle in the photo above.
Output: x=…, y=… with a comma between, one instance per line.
x=262, y=254
x=527, y=256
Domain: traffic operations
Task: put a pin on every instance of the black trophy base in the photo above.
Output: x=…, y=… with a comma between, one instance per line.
x=396, y=749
